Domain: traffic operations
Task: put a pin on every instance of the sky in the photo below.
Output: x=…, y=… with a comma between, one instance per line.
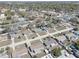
x=39, y=0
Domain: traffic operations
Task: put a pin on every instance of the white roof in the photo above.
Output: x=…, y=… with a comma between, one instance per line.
x=2, y=16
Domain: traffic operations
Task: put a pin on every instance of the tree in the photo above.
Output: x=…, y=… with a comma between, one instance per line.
x=1, y=50
x=56, y=51
x=8, y=18
x=55, y=20
x=22, y=14
x=9, y=13
x=77, y=44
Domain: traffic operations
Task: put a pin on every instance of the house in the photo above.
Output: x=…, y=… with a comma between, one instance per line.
x=21, y=19
x=50, y=43
x=72, y=36
x=4, y=55
x=40, y=31
x=37, y=49
x=21, y=52
x=4, y=40
x=3, y=10
x=65, y=54
x=47, y=56
x=62, y=39
x=2, y=30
